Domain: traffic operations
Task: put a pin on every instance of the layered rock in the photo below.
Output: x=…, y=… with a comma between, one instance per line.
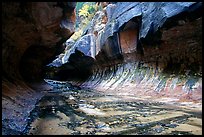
x=32, y=36
x=154, y=47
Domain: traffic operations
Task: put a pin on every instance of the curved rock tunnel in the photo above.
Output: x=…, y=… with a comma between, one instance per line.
x=34, y=33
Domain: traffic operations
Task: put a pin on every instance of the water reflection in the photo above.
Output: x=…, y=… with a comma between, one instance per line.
x=76, y=112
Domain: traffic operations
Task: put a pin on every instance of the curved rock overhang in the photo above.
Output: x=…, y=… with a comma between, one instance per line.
x=32, y=35
x=158, y=53
x=129, y=29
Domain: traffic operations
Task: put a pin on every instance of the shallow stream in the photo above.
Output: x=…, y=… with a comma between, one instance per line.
x=84, y=111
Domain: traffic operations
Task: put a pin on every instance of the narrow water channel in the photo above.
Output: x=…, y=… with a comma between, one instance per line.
x=85, y=111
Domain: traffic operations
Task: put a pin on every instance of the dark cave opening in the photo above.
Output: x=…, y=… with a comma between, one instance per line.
x=79, y=68
x=33, y=61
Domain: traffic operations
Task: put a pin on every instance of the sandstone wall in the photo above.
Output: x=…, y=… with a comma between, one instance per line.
x=31, y=37
x=167, y=62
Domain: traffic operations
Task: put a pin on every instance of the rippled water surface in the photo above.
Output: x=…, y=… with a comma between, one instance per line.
x=80, y=112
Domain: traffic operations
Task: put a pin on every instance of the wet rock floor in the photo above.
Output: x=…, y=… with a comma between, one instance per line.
x=82, y=112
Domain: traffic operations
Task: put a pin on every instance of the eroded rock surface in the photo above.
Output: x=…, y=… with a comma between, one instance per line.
x=144, y=48
x=31, y=35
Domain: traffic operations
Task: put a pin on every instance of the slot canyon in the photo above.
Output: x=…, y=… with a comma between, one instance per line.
x=102, y=68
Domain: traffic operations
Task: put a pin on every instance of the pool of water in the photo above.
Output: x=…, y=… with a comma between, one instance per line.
x=84, y=111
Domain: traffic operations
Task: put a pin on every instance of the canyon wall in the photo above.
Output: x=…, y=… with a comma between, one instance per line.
x=32, y=35
x=141, y=49
x=170, y=69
